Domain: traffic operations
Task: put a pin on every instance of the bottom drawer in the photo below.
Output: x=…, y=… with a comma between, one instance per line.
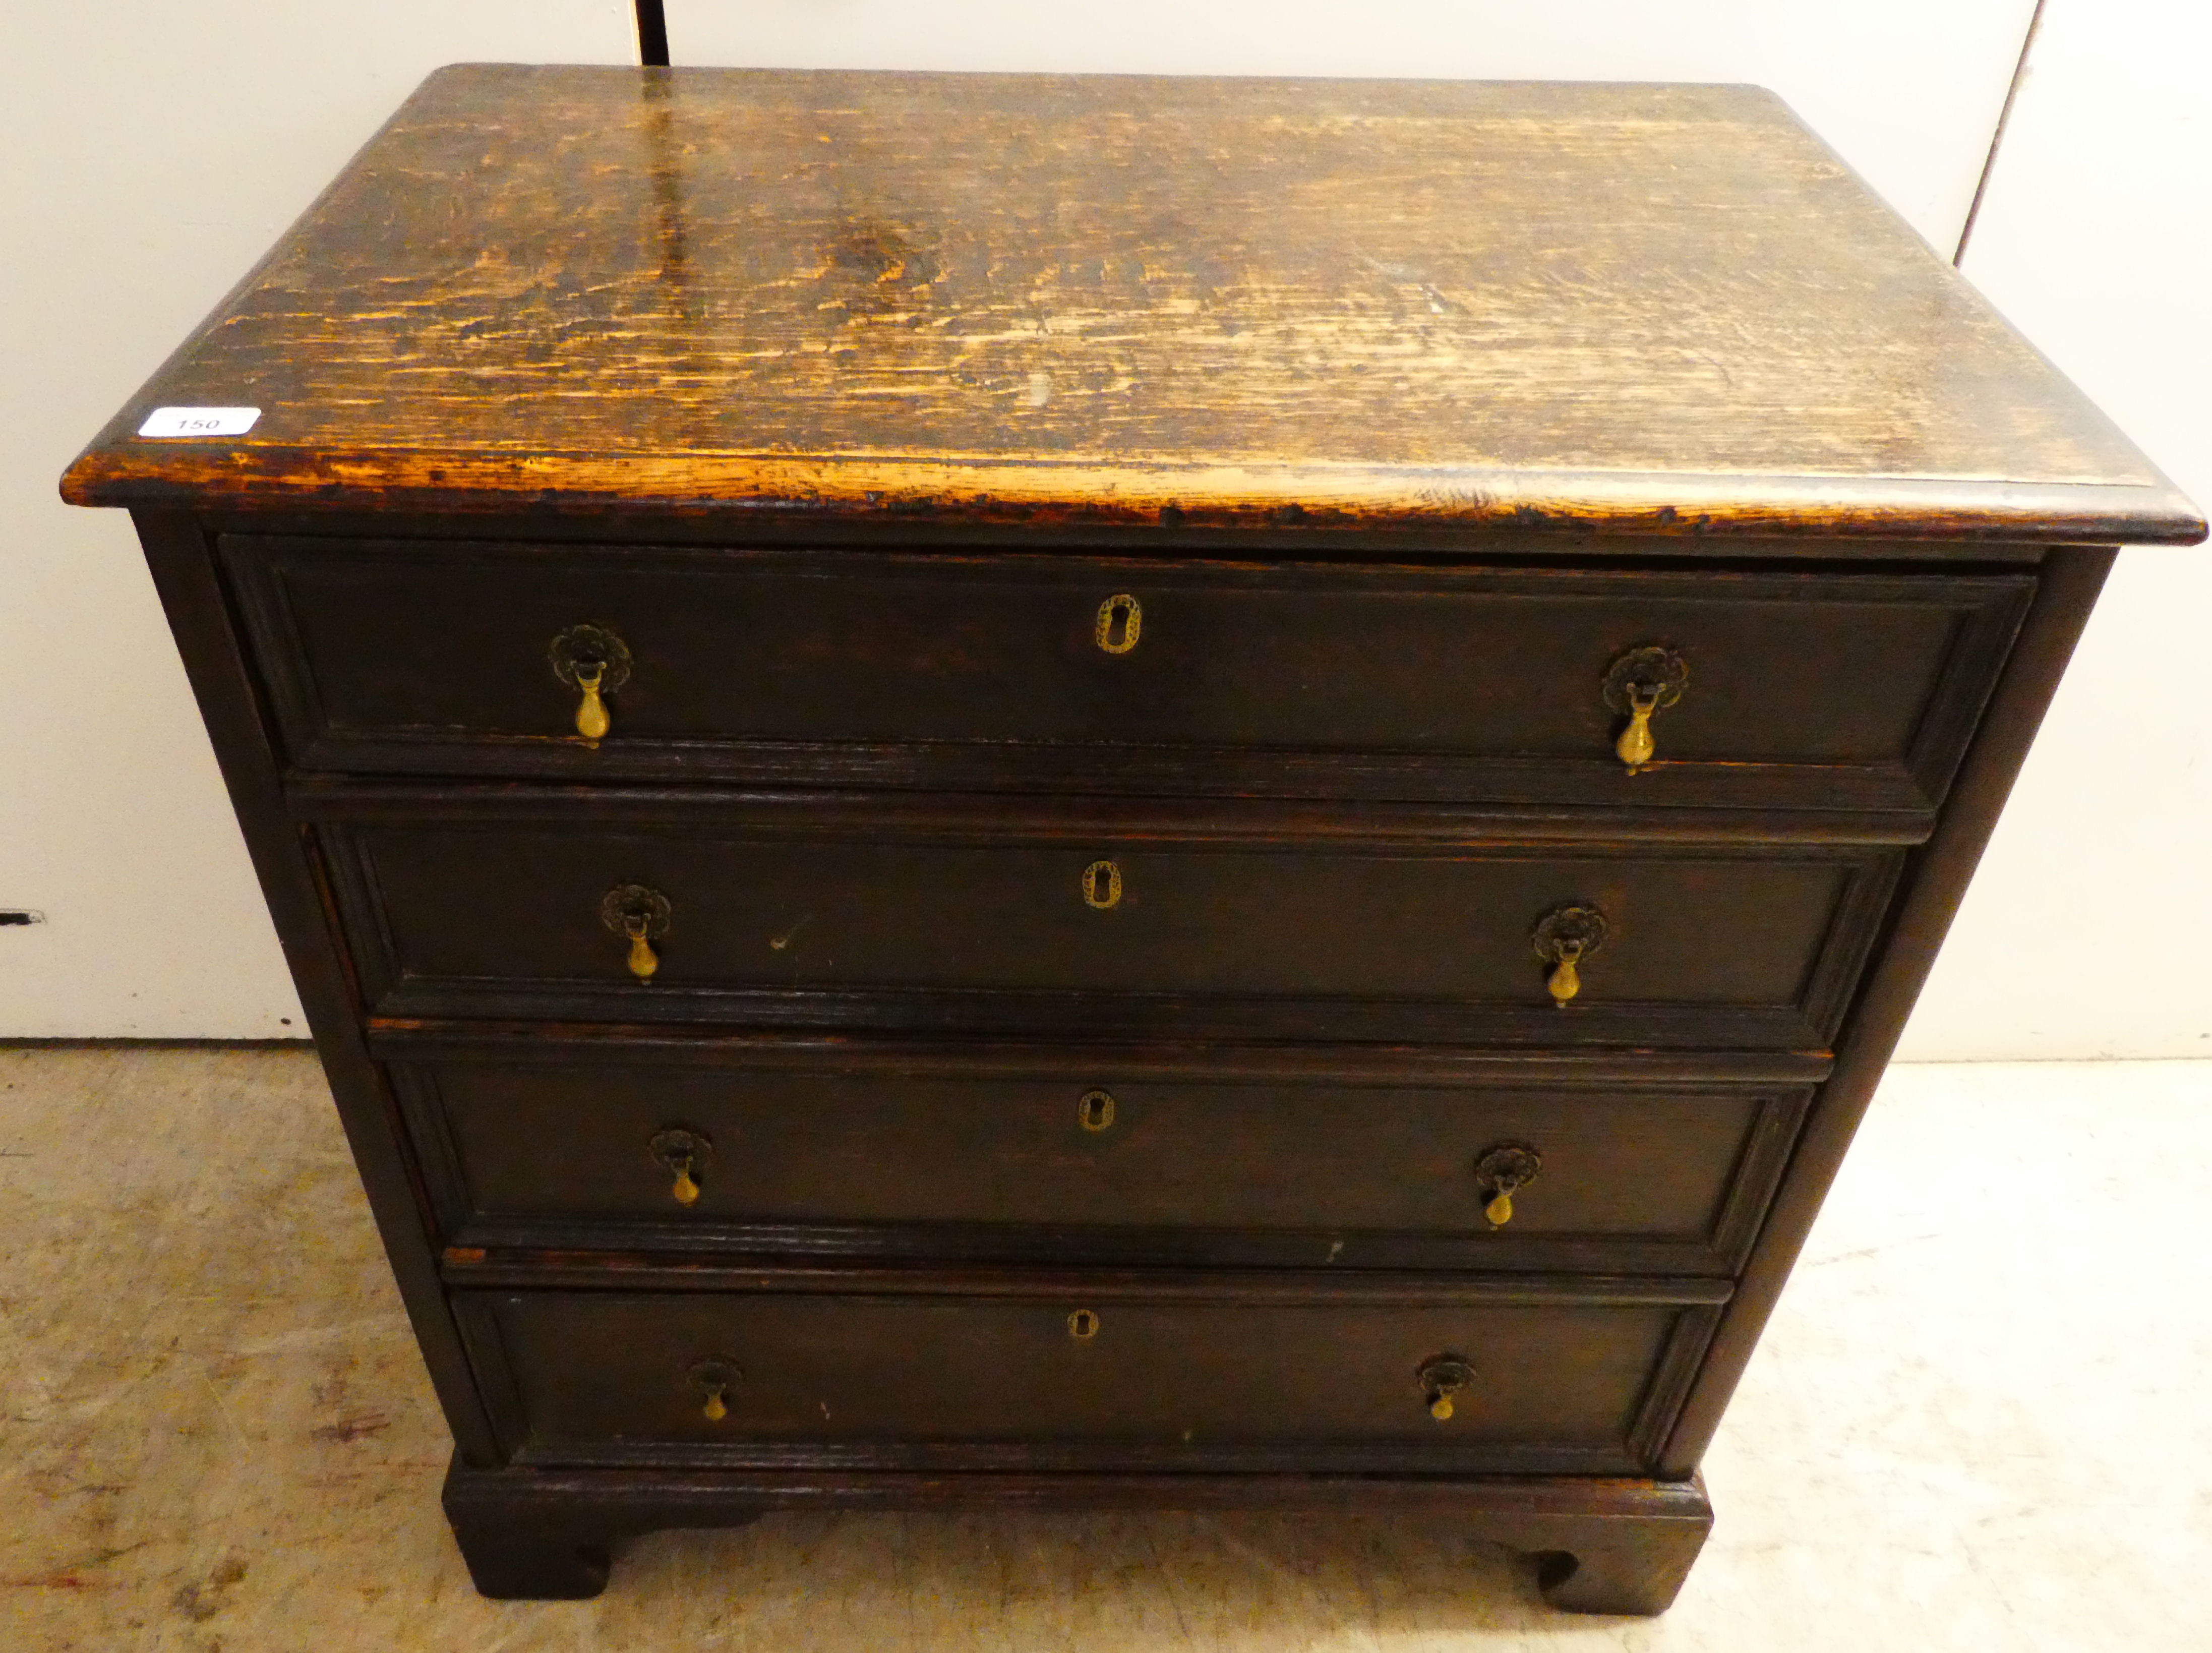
x=1095, y=1373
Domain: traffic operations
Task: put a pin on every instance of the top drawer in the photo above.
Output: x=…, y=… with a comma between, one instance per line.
x=1059, y=671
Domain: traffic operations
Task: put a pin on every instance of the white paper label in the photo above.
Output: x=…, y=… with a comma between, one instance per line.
x=199, y=422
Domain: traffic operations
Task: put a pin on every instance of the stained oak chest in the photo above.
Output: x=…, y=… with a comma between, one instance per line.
x=1107, y=791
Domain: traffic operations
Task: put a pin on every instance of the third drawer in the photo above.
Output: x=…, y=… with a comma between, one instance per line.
x=1347, y=1159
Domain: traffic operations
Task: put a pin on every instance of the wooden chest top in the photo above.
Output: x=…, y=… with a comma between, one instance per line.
x=1126, y=300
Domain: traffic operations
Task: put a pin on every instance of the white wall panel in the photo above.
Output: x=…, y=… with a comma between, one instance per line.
x=1907, y=90
x=152, y=152
x=2089, y=930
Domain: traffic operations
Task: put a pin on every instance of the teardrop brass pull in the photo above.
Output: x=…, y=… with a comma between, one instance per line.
x=1120, y=618
x=639, y=914
x=594, y=662
x=1441, y=1378
x=712, y=1381
x=1639, y=684
x=1635, y=746
x=1102, y=885
x=1502, y=1172
x=1564, y=982
x=644, y=961
x=591, y=719
x=1566, y=938
x=684, y=1154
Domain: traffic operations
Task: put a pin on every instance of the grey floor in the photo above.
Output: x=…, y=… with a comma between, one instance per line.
x=1982, y=1419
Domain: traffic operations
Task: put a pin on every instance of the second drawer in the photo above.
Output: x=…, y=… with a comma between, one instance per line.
x=1098, y=1158
x=785, y=916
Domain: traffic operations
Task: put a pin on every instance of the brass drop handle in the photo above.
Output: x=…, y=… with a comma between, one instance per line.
x=594, y=662
x=639, y=914
x=1636, y=746
x=1502, y=1172
x=591, y=719
x=1566, y=938
x=1565, y=981
x=1639, y=684
x=712, y=1381
x=683, y=1153
x=1440, y=1379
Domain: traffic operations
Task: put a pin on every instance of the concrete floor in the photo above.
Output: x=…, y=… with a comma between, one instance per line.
x=1983, y=1418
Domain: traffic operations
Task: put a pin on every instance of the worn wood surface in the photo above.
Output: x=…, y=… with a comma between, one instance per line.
x=1177, y=301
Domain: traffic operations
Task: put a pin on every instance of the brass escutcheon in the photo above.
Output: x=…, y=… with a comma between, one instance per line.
x=1637, y=684
x=1502, y=1172
x=684, y=1153
x=595, y=662
x=712, y=1381
x=1565, y=937
x=1083, y=1325
x=1095, y=1111
x=1441, y=1377
x=639, y=914
x=1102, y=885
x=1120, y=618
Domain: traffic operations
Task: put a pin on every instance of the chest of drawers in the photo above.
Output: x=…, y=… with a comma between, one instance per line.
x=1107, y=792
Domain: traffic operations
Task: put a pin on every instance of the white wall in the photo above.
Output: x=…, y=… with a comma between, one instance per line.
x=2089, y=929
x=154, y=150
x=148, y=154
x=1908, y=90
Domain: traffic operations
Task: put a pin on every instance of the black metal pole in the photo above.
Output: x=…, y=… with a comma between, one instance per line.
x=652, y=33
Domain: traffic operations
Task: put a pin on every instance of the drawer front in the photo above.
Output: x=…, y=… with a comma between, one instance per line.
x=1195, y=1377
x=1096, y=1163
x=954, y=672
x=1724, y=946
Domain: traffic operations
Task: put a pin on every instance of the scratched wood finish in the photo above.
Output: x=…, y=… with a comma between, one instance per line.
x=1162, y=300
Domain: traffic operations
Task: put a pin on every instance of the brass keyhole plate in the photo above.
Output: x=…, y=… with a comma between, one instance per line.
x=1083, y=1325
x=1102, y=885
x=1120, y=618
x=1095, y=1111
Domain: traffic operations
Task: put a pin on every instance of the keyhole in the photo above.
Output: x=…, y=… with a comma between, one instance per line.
x=1120, y=616
x=1095, y=1111
x=1082, y=1325
x=1102, y=885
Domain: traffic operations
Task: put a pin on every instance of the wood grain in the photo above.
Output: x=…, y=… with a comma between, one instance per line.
x=1012, y=298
